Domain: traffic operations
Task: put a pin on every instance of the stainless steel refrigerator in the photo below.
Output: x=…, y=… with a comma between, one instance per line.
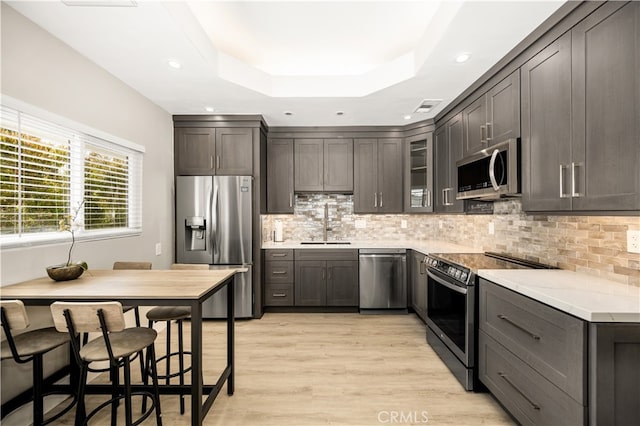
x=214, y=226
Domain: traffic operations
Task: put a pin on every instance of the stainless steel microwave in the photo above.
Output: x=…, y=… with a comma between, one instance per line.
x=491, y=173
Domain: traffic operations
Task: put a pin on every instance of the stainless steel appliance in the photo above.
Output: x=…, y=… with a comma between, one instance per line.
x=452, y=307
x=383, y=280
x=213, y=226
x=491, y=173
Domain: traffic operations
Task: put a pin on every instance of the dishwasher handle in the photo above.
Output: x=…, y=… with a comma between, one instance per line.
x=383, y=255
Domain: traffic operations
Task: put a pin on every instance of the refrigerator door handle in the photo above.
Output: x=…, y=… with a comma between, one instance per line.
x=214, y=219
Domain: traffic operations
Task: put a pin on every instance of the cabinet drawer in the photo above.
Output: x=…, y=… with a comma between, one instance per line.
x=272, y=254
x=279, y=272
x=278, y=295
x=326, y=254
x=551, y=342
x=528, y=396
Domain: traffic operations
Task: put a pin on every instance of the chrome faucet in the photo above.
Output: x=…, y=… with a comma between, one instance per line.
x=326, y=221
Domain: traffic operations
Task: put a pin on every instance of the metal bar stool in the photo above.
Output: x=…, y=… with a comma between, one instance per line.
x=31, y=346
x=118, y=345
x=133, y=265
x=178, y=314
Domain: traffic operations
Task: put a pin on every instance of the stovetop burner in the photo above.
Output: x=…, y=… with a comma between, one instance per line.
x=462, y=267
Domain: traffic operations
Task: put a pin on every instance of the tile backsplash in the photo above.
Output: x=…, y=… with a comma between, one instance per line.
x=594, y=245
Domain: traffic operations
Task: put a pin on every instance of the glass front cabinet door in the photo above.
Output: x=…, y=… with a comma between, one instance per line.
x=419, y=174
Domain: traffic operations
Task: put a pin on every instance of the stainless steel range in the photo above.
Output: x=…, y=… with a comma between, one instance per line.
x=452, y=312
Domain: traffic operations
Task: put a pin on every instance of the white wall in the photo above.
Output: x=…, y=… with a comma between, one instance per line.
x=42, y=71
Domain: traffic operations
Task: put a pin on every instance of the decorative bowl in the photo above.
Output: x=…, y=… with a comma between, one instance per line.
x=64, y=272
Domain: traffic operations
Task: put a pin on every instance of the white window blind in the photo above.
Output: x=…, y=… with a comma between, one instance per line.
x=48, y=171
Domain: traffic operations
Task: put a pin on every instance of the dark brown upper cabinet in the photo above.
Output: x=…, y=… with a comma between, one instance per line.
x=213, y=151
x=581, y=116
x=494, y=117
x=234, y=152
x=605, y=87
x=280, y=176
x=323, y=165
x=418, y=180
x=378, y=176
x=195, y=151
x=546, y=127
x=447, y=150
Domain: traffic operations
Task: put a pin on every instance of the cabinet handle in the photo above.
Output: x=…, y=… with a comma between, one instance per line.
x=483, y=132
x=290, y=199
x=426, y=200
x=574, y=193
x=279, y=255
x=211, y=161
x=217, y=161
x=324, y=273
x=279, y=295
x=519, y=327
x=329, y=274
x=278, y=272
x=506, y=379
x=445, y=197
x=562, y=169
x=375, y=199
x=489, y=131
x=381, y=199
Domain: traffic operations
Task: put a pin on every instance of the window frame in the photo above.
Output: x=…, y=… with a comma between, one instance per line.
x=84, y=136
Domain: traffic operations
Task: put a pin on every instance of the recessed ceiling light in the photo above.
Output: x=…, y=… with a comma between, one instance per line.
x=175, y=64
x=208, y=109
x=463, y=57
x=407, y=117
x=288, y=113
x=339, y=112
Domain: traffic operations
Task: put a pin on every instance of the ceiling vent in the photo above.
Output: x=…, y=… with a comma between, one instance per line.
x=427, y=105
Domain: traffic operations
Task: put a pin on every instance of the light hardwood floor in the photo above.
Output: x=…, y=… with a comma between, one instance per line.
x=332, y=369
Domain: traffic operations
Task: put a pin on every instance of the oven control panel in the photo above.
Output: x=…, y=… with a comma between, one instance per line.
x=452, y=270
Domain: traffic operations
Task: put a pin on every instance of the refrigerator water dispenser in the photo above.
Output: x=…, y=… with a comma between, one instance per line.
x=196, y=239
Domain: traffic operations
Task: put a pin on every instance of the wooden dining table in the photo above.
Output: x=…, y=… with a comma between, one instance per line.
x=150, y=288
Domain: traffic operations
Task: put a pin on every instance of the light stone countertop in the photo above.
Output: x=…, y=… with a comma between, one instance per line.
x=423, y=246
x=584, y=296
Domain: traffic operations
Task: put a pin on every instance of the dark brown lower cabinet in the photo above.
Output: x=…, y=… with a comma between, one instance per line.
x=547, y=367
x=326, y=277
x=342, y=283
x=614, y=373
x=310, y=283
x=278, y=276
x=418, y=287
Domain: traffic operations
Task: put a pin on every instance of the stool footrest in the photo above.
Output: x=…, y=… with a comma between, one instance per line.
x=177, y=373
x=117, y=400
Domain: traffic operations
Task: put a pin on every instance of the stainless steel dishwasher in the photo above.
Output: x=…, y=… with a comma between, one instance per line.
x=383, y=280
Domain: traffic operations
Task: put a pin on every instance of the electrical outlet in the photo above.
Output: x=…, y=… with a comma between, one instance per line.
x=440, y=224
x=360, y=224
x=492, y=228
x=633, y=241
x=403, y=224
x=158, y=249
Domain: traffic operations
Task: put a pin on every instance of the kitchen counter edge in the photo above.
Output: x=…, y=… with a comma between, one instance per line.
x=422, y=246
x=589, y=298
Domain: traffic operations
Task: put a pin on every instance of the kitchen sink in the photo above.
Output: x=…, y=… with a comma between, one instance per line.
x=324, y=242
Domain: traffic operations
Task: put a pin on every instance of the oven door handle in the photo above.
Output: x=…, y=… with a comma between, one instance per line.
x=450, y=286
